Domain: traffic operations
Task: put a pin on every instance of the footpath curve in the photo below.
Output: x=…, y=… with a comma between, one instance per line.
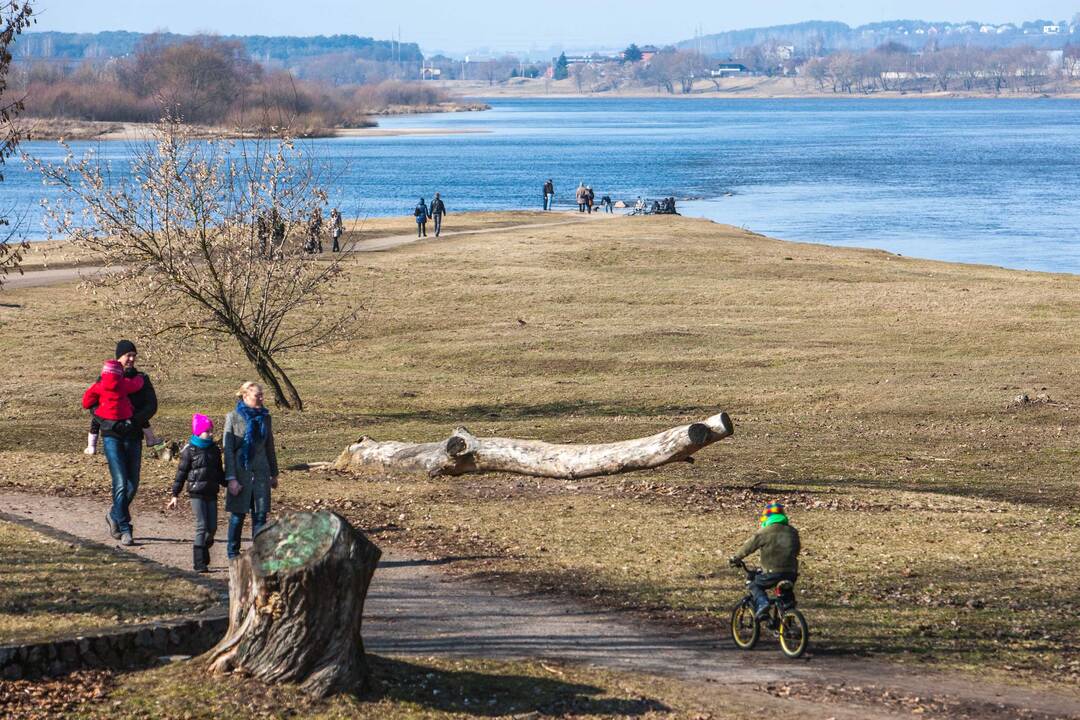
x=414, y=608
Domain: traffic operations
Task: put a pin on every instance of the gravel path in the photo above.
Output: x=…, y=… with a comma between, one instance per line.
x=415, y=608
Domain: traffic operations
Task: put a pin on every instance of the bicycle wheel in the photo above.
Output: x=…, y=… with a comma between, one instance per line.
x=744, y=628
x=794, y=634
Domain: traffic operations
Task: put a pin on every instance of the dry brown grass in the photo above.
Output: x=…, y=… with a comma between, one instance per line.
x=871, y=392
x=55, y=589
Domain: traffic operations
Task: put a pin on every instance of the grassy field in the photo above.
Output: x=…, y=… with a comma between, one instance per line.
x=54, y=589
x=874, y=394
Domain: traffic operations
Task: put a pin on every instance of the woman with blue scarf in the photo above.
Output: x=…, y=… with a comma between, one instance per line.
x=251, y=468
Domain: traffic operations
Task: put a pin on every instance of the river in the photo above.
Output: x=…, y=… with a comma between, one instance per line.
x=984, y=181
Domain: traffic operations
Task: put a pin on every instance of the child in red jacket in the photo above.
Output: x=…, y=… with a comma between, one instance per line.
x=110, y=393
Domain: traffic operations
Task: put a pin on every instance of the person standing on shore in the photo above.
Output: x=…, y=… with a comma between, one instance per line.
x=251, y=468
x=336, y=228
x=315, y=231
x=605, y=202
x=590, y=198
x=549, y=194
x=579, y=196
x=123, y=449
x=438, y=209
x=421, y=213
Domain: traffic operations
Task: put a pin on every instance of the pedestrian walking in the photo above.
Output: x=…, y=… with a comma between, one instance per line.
x=605, y=202
x=549, y=194
x=579, y=196
x=421, y=213
x=121, y=441
x=251, y=469
x=200, y=469
x=590, y=197
x=438, y=209
x=337, y=226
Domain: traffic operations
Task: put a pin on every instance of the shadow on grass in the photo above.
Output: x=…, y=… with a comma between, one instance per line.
x=485, y=692
x=516, y=411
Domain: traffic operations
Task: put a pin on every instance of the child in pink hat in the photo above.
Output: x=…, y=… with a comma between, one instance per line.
x=202, y=470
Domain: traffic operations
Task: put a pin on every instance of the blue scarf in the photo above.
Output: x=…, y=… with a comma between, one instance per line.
x=256, y=430
x=200, y=443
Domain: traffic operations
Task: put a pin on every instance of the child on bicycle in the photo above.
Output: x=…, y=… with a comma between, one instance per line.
x=779, y=544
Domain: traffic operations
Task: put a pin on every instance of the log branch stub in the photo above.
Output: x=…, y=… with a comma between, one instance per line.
x=296, y=602
x=463, y=453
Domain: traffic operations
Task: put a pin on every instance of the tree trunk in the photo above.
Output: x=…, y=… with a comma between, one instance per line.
x=296, y=601
x=464, y=453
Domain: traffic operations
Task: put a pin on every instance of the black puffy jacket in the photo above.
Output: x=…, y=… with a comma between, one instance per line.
x=201, y=468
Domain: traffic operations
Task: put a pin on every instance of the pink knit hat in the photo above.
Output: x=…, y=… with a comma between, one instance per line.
x=201, y=424
x=112, y=367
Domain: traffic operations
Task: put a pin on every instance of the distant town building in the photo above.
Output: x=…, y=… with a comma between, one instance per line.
x=647, y=52
x=1051, y=29
x=724, y=70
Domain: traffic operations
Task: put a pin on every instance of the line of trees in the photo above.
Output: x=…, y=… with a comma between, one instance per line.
x=207, y=80
x=894, y=67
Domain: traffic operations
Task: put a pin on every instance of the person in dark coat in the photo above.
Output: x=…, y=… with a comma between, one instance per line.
x=779, y=544
x=590, y=199
x=438, y=209
x=201, y=470
x=122, y=446
x=549, y=194
x=251, y=468
x=337, y=226
x=315, y=228
x=421, y=213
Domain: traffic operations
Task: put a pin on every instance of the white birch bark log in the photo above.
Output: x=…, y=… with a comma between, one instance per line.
x=463, y=453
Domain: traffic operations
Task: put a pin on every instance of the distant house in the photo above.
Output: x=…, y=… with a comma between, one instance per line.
x=724, y=70
x=647, y=52
x=1007, y=28
x=987, y=29
x=1051, y=29
x=785, y=52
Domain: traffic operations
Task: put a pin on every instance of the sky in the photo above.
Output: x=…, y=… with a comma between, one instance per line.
x=463, y=25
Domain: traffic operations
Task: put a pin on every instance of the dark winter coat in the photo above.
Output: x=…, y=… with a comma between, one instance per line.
x=420, y=212
x=549, y=189
x=145, y=404
x=437, y=207
x=201, y=468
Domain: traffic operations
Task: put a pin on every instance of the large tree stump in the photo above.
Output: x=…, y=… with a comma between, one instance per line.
x=295, y=605
x=463, y=453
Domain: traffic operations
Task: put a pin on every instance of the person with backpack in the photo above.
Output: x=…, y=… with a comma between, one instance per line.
x=201, y=470
x=438, y=209
x=421, y=213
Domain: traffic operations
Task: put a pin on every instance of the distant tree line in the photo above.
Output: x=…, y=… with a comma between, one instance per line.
x=203, y=79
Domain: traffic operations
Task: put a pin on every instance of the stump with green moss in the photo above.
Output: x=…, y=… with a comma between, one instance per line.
x=296, y=600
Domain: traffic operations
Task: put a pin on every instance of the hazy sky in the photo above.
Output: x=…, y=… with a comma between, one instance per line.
x=465, y=24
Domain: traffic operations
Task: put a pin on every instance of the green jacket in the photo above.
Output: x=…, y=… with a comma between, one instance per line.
x=779, y=545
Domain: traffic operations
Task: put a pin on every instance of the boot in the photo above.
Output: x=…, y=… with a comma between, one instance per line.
x=200, y=559
x=206, y=557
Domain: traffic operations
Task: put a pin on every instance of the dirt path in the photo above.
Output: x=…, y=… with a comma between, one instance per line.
x=416, y=609
x=57, y=276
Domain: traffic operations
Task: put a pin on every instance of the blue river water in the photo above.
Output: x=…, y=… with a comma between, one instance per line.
x=985, y=181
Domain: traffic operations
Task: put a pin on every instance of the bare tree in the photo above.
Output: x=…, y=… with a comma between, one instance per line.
x=205, y=241
x=15, y=17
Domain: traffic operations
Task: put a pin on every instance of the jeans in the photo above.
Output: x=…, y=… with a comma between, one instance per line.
x=548, y=198
x=236, y=528
x=763, y=582
x=205, y=511
x=421, y=229
x=124, y=456
x=581, y=207
x=438, y=223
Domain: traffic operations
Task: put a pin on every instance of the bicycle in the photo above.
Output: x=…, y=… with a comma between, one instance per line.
x=785, y=622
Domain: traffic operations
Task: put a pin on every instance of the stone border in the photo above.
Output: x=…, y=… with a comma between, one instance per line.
x=124, y=647
x=127, y=648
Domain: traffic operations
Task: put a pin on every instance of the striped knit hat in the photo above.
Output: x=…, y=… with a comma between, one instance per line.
x=112, y=367
x=773, y=508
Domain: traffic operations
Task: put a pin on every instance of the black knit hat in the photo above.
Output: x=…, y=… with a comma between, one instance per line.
x=124, y=347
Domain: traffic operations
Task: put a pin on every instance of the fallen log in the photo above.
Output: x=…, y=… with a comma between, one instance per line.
x=296, y=601
x=463, y=453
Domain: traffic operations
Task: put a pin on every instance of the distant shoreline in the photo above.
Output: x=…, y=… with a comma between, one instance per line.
x=753, y=88
x=37, y=128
